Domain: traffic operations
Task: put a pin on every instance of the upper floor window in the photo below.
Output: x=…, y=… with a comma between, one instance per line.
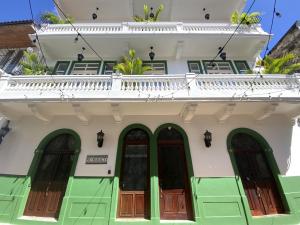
x=159, y=67
x=108, y=67
x=218, y=67
x=61, y=68
x=85, y=68
x=195, y=67
x=242, y=67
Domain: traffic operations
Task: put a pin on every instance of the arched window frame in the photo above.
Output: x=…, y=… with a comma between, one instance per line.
x=268, y=153
x=38, y=153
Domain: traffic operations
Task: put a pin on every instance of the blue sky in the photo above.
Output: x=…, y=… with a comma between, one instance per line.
x=19, y=9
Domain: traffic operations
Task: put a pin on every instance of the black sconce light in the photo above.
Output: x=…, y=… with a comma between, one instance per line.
x=207, y=138
x=151, y=15
x=100, y=138
x=222, y=54
x=4, y=130
x=80, y=56
x=151, y=54
x=94, y=15
x=207, y=15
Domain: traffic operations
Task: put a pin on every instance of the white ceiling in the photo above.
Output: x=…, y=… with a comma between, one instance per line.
x=175, y=10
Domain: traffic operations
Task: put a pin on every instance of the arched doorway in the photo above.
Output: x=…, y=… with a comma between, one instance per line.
x=256, y=175
x=59, y=152
x=174, y=185
x=134, y=185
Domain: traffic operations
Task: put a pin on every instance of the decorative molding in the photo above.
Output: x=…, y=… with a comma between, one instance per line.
x=188, y=112
x=82, y=116
x=116, y=112
x=266, y=112
x=224, y=113
x=37, y=113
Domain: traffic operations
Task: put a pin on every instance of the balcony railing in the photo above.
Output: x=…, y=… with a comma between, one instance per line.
x=143, y=27
x=141, y=87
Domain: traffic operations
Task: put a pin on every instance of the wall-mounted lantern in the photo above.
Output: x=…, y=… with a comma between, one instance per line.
x=151, y=13
x=207, y=15
x=4, y=130
x=151, y=54
x=95, y=15
x=80, y=56
x=207, y=138
x=100, y=138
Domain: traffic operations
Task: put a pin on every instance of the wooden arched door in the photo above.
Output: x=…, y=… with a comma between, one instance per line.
x=51, y=178
x=134, y=177
x=257, y=178
x=174, y=185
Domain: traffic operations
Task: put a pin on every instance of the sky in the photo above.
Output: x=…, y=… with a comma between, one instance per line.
x=289, y=9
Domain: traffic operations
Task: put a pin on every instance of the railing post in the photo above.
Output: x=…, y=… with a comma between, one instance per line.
x=125, y=28
x=179, y=27
x=116, y=82
x=191, y=82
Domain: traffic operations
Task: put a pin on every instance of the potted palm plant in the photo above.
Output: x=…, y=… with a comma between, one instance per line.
x=149, y=15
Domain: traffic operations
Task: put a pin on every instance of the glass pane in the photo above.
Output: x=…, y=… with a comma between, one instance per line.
x=245, y=142
x=242, y=67
x=194, y=68
x=85, y=68
x=135, y=168
x=62, y=68
x=171, y=167
x=109, y=68
x=169, y=134
x=158, y=68
x=64, y=167
x=218, y=67
x=63, y=142
x=47, y=167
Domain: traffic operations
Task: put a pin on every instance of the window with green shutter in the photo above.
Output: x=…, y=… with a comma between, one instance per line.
x=85, y=68
x=159, y=67
x=242, y=67
x=61, y=67
x=195, y=67
x=108, y=67
x=218, y=67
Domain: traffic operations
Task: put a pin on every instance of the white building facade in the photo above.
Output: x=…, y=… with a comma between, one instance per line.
x=88, y=145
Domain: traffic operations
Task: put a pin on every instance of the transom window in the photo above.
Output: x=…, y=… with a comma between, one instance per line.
x=159, y=67
x=218, y=67
x=85, y=68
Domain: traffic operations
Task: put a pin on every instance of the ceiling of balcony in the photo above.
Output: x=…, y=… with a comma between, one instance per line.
x=254, y=110
x=166, y=46
x=175, y=10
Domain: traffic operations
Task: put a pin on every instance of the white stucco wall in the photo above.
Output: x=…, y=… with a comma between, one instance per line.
x=17, y=148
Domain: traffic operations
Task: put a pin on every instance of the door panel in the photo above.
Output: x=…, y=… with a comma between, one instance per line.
x=50, y=182
x=134, y=179
x=257, y=178
x=175, y=202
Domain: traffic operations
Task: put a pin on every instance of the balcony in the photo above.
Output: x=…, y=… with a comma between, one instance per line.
x=170, y=39
x=136, y=88
x=146, y=28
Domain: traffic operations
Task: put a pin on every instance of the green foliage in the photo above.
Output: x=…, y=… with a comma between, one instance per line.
x=131, y=65
x=243, y=18
x=50, y=17
x=147, y=17
x=31, y=64
x=282, y=65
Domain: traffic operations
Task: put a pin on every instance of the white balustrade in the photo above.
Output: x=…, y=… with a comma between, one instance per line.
x=148, y=27
x=132, y=86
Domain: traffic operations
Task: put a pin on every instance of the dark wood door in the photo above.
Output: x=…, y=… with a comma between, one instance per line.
x=49, y=185
x=175, y=199
x=134, y=180
x=258, y=181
